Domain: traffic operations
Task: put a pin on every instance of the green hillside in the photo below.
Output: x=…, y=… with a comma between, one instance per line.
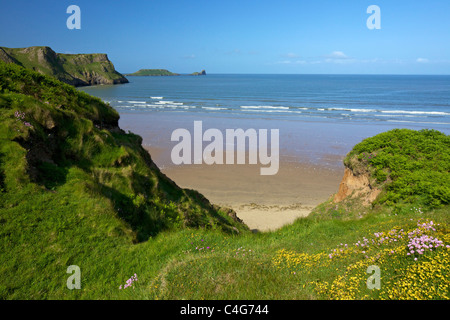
x=73, y=69
x=72, y=182
x=153, y=72
x=77, y=190
x=161, y=72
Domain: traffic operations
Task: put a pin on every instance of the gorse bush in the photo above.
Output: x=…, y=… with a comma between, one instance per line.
x=410, y=166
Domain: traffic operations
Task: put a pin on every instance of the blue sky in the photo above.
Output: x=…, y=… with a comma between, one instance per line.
x=246, y=36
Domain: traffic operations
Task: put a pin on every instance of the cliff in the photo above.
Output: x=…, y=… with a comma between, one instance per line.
x=357, y=186
x=73, y=69
x=65, y=143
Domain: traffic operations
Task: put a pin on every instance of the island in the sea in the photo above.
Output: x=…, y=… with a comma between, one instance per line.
x=201, y=73
x=162, y=72
x=153, y=73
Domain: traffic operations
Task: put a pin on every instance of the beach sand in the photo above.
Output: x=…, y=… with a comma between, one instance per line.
x=263, y=202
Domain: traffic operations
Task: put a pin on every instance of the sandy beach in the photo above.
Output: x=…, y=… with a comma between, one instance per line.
x=310, y=169
x=263, y=202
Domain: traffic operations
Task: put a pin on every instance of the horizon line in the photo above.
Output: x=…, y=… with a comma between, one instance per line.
x=312, y=74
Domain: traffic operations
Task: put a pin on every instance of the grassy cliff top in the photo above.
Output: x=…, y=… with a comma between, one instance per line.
x=67, y=171
x=153, y=72
x=74, y=69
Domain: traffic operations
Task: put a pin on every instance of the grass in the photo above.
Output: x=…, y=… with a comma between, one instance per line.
x=76, y=69
x=92, y=64
x=292, y=263
x=153, y=72
x=76, y=190
x=295, y=263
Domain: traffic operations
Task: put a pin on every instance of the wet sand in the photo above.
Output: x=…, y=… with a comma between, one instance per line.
x=309, y=173
x=262, y=202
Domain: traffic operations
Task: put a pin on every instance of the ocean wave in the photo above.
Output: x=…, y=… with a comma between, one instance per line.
x=423, y=122
x=157, y=98
x=131, y=101
x=394, y=116
x=214, y=108
x=167, y=102
x=157, y=106
x=154, y=106
x=265, y=107
x=271, y=111
x=358, y=110
x=439, y=113
x=352, y=110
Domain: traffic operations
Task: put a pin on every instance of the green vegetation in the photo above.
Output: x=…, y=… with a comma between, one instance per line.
x=161, y=72
x=201, y=73
x=412, y=167
x=74, y=69
x=153, y=72
x=73, y=183
x=294, y=262
x=77, y=190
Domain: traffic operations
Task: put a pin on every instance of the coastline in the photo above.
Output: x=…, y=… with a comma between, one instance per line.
x=310, y=169
x=264, y=203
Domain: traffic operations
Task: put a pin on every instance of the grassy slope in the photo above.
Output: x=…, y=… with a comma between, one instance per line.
x=294, y=263
x=29, y=59
x=104, y=68
x=68, y=215
x=75, y=188
x=65, y=67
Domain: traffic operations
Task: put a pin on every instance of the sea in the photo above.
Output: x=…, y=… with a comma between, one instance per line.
x=320, y=117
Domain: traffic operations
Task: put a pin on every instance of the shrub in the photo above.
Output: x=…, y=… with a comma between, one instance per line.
x=410, y=166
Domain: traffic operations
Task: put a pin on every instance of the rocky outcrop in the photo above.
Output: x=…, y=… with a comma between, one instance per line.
x=6, y=57
x=356, y=185
x=73, y=69
x=202, y=73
